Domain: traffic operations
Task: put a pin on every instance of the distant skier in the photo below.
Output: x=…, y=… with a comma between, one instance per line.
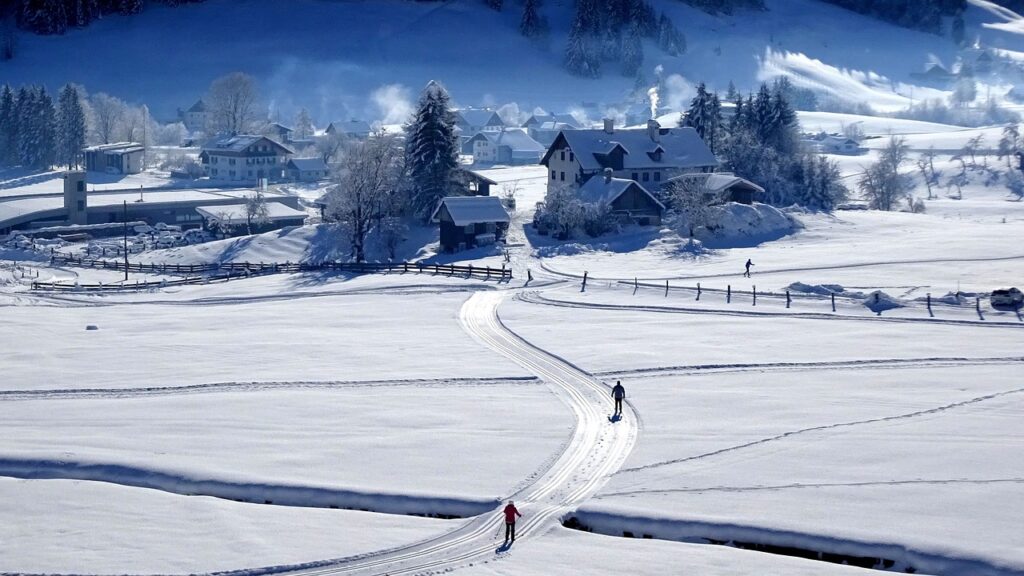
x=748, y=265
x=618, y=393
x=510, y=521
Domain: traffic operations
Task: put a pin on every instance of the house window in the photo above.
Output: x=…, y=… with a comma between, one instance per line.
x=647, y=176
x=570, y=156
x=561, y=176
x=231, y=161
x=552, y=174
x=563, y=155
x=81, y=186
x=636, y=176
x=231, y=173
x=657, y=176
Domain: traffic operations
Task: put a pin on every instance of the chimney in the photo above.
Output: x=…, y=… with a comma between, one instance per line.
x=653, y=129
x=607, y=175
x=609, y=125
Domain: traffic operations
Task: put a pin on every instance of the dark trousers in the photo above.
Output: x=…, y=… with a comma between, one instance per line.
x=618, y=405
x=510, y=531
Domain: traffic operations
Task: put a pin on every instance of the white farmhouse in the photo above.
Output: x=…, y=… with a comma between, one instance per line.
x=244, y=158
x=647, y=156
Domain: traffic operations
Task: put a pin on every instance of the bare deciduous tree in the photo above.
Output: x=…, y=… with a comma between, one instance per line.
x=107, y=114
x=368, y=184
x=882, y=184
x=690, y=200
x=256, y=212
x=232, y=103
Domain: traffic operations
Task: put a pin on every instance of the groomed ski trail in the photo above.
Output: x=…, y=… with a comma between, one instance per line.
x=597, y=450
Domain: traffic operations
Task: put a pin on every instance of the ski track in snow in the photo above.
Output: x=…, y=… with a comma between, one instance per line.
x=807, y=366
x=797, y=486
x=536, y=298
x=812, y=429
x=65, y=393
x=763, y=272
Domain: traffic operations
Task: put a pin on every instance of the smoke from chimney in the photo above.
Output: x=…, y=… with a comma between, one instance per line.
x=652, y=95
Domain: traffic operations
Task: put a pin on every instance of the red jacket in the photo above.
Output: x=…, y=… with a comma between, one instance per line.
x=510, y=514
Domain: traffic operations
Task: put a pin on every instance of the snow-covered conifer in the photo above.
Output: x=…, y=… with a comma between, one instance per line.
x=70, y=126
x=432, y=150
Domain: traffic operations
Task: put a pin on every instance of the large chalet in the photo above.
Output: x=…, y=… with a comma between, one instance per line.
x=647, y=156
x=244, y=158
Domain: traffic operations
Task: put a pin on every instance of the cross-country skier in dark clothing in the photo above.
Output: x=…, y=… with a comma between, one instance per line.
x=618, y=393
x=748, y=265
x=510, y=521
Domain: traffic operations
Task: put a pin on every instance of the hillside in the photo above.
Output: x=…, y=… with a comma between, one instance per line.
x=374, y=63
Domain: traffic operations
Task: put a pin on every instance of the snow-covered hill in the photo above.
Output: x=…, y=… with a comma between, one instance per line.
x=367, y=59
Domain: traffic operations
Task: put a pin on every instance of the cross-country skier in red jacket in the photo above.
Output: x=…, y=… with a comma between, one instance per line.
x=510, y=521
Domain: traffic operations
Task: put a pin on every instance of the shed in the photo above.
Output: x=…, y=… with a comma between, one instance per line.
x=470, y=221
x=625, y=197
x=723, y=187
x=307, y=169
x=477, y=183
x=117, y=158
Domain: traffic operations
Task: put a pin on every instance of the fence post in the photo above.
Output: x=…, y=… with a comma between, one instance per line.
x=930, y=304
x=488, y=276
x=584, y=281
x=787, y=298
x=666, y=288
x=728, y=293
x=470, y=270
x=755, y=296
x=636, y=285
x=452, y=269
x=529, y=275
x=833, y=301
x=698, y=291
x=977, y=305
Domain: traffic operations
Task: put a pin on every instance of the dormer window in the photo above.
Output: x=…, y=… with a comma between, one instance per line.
x=656, y=154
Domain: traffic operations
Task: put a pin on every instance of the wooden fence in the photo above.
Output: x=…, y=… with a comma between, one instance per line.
x=205, y=273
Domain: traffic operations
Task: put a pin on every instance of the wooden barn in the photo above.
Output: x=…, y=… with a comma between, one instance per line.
x=470, y=221
x=625, y=197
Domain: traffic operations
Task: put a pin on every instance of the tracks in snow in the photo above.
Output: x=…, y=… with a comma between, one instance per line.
x=598, y=448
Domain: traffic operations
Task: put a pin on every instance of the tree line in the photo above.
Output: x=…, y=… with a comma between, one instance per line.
x=57, y=16
x=37, y=133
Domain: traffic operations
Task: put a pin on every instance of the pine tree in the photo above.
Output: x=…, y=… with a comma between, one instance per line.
x=432, y=150
x=532, y=24
x=670, y=39
x=957, y=31
x=731, y=94
x=8, y=127
x=70, y=127
x=761, y=115
x=128, y=7
x=632, y=52
x=582, y=56
x=705, y=116
x=303, y=125
x=46, y=124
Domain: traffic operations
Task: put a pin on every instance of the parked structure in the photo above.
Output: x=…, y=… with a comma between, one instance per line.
x=244, y=158
x=357, y=129
x=470, y=221
x=118, y=158
x=508, y=146
x=626, y=198
x=721, y=187
x=307, y=169
x=648, y=157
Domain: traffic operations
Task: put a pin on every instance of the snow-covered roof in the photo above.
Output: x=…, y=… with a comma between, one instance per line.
x=307, y=164
x=235, y=213
x=718, y=181
x=279, y=128
x=239, y=143
x=466, y=210
x=682, y=148
x=360, y=127
x=600, y=189
x=567, y=119
x=116, y=148
x=199, y=106
x=479, y=117
x=516, y=139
